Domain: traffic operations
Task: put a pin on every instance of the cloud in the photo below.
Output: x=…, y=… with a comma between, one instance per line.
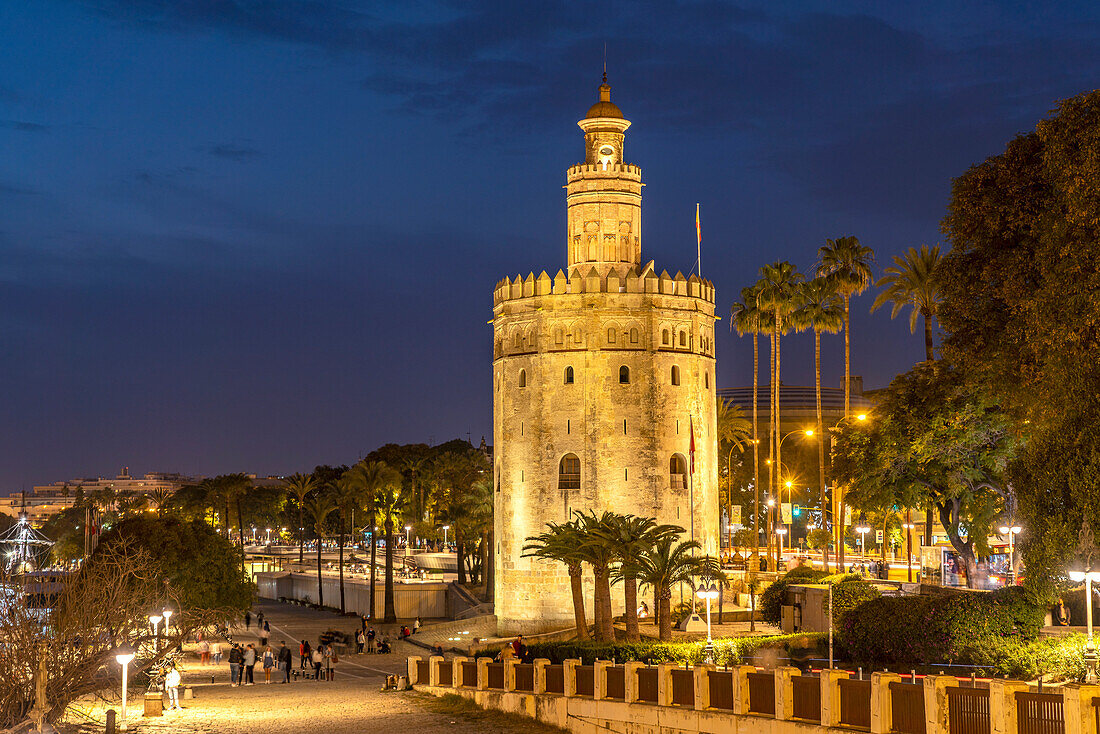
x=229, y=151
x=23, y=126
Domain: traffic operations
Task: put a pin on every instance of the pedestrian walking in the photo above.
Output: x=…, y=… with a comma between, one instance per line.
x=204, y=652
x=249, y=665
x=260, y=620
x=360, y=641
x=318, y=659
x=284, y=658
x=236, y=658
x=370, y=640
x=247, y=620
x=304, y=655
x=269, y=664
x=216, y=651
x=331, y=659
x=172, y=685
x=416, y=625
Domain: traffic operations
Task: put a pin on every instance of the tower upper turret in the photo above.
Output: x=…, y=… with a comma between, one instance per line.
x=604, y=194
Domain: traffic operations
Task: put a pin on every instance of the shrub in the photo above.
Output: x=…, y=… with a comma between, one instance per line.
x=727, y=651
x=773, y=597
x=1059, y=658
x=918, y=630
x=849, y=594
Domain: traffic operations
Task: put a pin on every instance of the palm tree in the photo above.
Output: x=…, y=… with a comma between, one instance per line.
x=848, y=264
x=300, y=485
x=778, y=294
x=480, y=506
x=346, y=495
x=667, y=563
x=158, y=497
x=912, y=281
x=370, y=477
x=749, y=318
x=415, y=466
x=629, y=536
x=600, y=554
x=821, y=310
x=562, y=543
x=734, y=430
x=319, y=508
x=390, y=503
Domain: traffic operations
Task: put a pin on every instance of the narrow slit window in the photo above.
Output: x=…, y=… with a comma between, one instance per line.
x=624, y=375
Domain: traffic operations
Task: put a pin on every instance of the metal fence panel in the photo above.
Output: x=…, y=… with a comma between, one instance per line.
x=422, y=668
x=855, y=703
x=615, y=682
x=907, y=708
x=721, y=689
x=496, y=676
x=555, y=679
x=584, y=680
x=446, y=672
x=647, y=685
x=1039, y=713
x=968, y=710
x=806, y=692
x=683, y=687
x=469, y=674
x=525, y=677
x=762, y=693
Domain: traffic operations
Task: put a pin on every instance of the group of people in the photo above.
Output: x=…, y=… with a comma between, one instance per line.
x=516, y=649
x=876, y=569
x=243, y=661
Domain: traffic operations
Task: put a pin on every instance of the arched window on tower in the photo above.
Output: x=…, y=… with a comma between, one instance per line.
x=611, y=335
x=675, y=375
x=665, y=338
x=568, y=375
x=683, y=339
x=624, y=375
x=677, y=472
x=523, y=378
x=569, y=472
x=633, y=336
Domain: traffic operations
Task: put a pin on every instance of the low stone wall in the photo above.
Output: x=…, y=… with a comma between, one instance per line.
x=424, y=600
x=636, y=699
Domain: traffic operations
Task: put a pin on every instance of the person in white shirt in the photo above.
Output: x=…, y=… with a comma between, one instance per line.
x=172, y=685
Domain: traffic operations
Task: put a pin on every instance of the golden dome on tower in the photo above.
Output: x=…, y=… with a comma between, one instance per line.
x=605, y=107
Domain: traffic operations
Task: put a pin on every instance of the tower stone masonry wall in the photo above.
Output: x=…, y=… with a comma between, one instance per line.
x=606, y=315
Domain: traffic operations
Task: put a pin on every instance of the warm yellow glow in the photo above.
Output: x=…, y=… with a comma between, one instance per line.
x=809, y=431
x=789, y=483
x=861, y=417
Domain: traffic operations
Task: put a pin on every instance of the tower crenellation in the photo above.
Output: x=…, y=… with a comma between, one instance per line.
x=601, y=374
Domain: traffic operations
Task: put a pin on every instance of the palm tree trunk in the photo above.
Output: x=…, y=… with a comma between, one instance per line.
x=390, y=612
x=630, y=598
x=373, y=558
x=771, y=451
x=838, y=492
x=301, y=533
x=577, y=589
x=341, y=543
x=460, y=557
x=320, y=589
x=778, y=430
x=755, y=447
x=602, y=603
x=927, y=335
x=665, y=606
x=820, y=445
x=240, y=529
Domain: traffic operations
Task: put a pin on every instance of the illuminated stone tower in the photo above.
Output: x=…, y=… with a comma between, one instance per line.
x=598, y=377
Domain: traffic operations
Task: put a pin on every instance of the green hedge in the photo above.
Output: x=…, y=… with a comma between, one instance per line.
x=728, y=651
x=1057, y=658
x=772, y=599
x=919, y=630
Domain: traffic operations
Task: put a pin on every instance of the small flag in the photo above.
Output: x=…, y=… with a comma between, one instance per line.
x=691, y=449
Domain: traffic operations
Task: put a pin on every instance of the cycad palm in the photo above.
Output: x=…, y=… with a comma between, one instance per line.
x=300, y=485
x=749, y=318
x=667, y=563
x=822, y=311
x=319, y=508
x=913, y=281
x=629, y=536
x=562, y=543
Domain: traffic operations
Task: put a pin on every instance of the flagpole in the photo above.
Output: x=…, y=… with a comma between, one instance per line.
x=698, y=242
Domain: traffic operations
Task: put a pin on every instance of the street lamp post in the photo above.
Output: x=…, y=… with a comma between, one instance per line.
x=909, y=546
x=407, y=529
x=167, y=618
x=1090, y=646
x=154, y=619
x=124, y=656
x=1011, y=531
x=780, y=531
x=269, y=536
x=708, y=593
x=862, y=530
x=445, y=529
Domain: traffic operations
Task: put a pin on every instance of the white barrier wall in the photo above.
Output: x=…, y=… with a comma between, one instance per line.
x=424, y=600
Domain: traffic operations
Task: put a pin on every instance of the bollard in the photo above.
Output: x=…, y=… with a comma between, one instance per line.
x=111, y=721
x=212, y=677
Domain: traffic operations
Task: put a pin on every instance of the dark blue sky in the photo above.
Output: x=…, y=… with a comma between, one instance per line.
x=261, y=236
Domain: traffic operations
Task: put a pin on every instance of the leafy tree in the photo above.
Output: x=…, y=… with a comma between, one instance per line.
x=203, y=568
x=933, y=440
x=913, y=281
x=562, y=543
x=1021, y=317
x=300, y=486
